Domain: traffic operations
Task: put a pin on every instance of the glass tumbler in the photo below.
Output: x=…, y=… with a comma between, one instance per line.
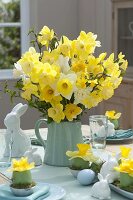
x=98, y=131
x=5, y=158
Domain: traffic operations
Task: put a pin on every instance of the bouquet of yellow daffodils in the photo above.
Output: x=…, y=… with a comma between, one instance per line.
x=64, y=77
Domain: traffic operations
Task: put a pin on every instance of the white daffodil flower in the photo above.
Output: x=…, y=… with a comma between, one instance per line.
x=63, y=62
x=18, y=72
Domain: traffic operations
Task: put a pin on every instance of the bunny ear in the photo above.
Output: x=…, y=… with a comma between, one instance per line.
x=22, y=109
x=108, y=176
x=17, y=107
x=100, y=177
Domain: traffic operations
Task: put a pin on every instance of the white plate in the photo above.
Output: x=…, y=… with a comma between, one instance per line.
x=124, y=193
x=55, y=193
x=111, y=141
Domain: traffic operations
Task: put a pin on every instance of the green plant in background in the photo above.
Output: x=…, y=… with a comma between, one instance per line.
x=9, y=36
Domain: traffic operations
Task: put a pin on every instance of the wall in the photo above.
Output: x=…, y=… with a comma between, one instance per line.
x=27, y=120
x=96, y=16
x=61, y=15
x=66, y=17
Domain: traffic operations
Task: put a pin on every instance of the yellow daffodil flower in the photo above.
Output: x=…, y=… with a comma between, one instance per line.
x=71, y=111
x=28, y=60
x=66, y=85
x=84, y=152
x=21, y=165
x=28, y=90
x=112, y=114
x=45, y=36
x=81, y=80
x=92, y=100
x=78, y=66
x=48, y=74
x=64, y=46
x=126, y=166
x=106, y=90
x=50, y=57
x=124, y=65
x=47, y=93
x=56, y=113
x=56, y=100
x=125, y=151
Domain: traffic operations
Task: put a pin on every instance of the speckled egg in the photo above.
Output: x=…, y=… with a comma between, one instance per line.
x=86, y=176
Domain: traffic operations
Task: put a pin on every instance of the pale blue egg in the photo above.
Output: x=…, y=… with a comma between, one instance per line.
x=86, y=176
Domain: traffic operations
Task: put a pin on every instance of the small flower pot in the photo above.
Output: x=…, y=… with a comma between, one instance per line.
x=22, y=192
x=74, y=172
x=126, y=180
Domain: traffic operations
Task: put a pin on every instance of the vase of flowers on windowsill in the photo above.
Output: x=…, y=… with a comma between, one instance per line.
x=61, y=80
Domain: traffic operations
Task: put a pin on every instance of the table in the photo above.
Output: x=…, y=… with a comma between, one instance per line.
x=62, y=176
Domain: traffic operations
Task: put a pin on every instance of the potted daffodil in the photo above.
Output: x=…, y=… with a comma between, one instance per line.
x=22, y=183
x=113, y=117
x=125, y=168
x=83, y=158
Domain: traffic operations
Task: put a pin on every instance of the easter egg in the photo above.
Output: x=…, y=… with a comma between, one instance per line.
x=86, y=176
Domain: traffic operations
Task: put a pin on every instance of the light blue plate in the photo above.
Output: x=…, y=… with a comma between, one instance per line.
x=55, y=192
x=124, y=193
x=119, y=140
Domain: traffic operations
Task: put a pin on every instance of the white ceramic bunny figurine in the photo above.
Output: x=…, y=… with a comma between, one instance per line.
x=15, y=136
x=110, y=132
x=33, y=157
x=101, y=189
x=111, y=129
x=108, y=168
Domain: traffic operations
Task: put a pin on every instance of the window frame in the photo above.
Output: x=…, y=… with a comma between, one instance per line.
x=24, y=24
x=117, y=4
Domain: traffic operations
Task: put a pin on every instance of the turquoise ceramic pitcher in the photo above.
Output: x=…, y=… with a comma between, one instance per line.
x=61, y=137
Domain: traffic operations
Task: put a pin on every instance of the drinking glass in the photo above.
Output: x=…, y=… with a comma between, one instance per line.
x=5, y=159
x=98, y=131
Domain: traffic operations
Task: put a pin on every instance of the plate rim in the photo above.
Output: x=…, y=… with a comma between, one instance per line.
x=119, y=139
x=120, y=191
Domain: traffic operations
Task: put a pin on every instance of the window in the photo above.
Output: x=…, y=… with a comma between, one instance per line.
x=123, y=30
x=14, y=26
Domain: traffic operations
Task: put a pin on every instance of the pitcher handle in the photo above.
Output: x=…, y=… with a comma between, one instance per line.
x=37, y=132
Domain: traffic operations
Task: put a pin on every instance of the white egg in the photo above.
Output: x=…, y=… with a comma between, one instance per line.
x=86, y=176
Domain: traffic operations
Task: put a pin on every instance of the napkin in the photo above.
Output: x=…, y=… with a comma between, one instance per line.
x=40, y=193
x=119, y=134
